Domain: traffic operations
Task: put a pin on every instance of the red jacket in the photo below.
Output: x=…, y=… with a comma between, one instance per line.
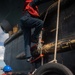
x=31, y=10
x=3, y=74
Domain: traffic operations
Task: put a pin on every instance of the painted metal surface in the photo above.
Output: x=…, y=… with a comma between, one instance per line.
x=66, y=29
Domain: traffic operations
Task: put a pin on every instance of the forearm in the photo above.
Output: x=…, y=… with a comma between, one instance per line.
x=38, y=2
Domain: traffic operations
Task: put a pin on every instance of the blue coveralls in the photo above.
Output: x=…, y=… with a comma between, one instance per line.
x=27, y=22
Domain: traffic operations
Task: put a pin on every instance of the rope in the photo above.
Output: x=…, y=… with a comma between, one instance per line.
x=56, y=39
x=39, y=46
x=41, y=55
x=40, y=36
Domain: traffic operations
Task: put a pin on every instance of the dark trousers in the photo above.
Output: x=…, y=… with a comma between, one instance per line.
x=27, y=22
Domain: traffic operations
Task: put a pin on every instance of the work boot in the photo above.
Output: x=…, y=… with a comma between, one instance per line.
x=33, y=40
x=33, y=47
x=29, y=59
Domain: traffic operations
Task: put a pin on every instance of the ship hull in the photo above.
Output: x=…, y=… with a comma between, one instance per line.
x=15, y=44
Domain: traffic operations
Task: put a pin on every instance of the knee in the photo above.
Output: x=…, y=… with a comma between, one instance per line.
x=41, y=23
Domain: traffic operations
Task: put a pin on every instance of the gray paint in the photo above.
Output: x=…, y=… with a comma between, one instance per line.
x=12, y=50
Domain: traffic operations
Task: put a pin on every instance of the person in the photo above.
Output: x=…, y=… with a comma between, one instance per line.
x=30, y=20
x=7, y=70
